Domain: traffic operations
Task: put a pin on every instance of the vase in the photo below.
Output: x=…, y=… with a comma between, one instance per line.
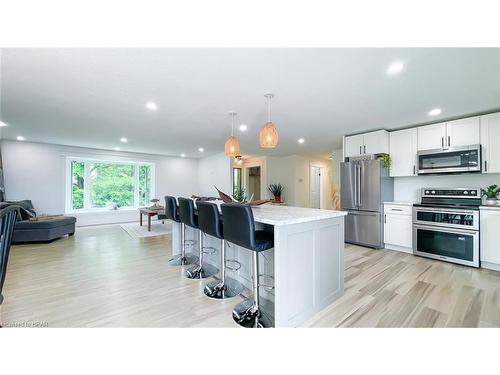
x=277, y=198
x=492, y=202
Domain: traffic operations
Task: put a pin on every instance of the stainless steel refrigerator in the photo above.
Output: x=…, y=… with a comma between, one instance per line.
x=364, y=186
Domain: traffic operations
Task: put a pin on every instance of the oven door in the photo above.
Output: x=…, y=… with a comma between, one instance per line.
x=450, y=244
x=451, y=160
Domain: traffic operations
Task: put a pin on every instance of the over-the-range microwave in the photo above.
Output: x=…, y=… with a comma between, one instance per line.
x=463, y=159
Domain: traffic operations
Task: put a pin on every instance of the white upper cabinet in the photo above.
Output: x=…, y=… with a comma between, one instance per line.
x=490, y=140
x=462, y=132
x=354, y=145
x=403, y=152
x=376, y=142
x=431, y=137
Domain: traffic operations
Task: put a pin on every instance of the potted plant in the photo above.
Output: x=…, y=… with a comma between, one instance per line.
x=491, y=193
x=240, y=195
x=276, y=190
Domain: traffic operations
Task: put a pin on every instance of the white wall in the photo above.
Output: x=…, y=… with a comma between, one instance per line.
x=37, y=171
x=408, y=188
x=213, y=171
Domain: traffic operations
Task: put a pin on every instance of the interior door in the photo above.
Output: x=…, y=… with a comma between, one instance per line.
x=315, y=187
x=369, y=185
x=348, y=190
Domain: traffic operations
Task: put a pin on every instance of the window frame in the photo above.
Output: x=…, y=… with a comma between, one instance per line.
x=86, y=180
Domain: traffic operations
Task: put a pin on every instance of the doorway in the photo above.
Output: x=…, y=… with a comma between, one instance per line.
x=253, y=182
x=315, y=187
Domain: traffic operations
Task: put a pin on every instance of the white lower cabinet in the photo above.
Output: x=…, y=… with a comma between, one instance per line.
x=490, y=238
x=398, y=227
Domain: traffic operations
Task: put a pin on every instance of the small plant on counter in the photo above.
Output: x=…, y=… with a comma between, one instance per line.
x=386, y=161
x=491, y=193
x=276, y=190
x=240, y=195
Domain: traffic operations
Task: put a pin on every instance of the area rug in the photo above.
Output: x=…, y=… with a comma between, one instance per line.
x=157, y=229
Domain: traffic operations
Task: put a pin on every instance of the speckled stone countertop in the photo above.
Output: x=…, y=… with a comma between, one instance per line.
x=285, y=215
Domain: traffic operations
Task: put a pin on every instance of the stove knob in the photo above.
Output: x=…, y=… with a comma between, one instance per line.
x=466, y=192
x=427, y=192
x=433, y=192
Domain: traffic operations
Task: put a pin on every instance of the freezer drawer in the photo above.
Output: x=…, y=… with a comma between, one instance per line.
x=364, y=228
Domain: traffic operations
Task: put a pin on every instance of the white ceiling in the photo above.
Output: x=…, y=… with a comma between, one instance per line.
x=93, y=97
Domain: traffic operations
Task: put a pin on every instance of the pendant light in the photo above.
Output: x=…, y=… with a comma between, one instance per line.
x=268, y=136
x=232, y=146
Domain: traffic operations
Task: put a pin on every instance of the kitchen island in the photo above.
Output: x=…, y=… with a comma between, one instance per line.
x=306, y=264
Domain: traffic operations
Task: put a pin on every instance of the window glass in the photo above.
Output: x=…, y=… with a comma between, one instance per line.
x=77, y=180
x=144, y=185
x=111, y=183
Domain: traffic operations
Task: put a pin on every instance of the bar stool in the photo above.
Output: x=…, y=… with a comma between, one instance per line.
x=239, y=229
x=209, y=222
x=172, y=213
x=188, y=217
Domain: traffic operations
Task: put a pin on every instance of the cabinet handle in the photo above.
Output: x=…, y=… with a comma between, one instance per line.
x=486, y=166
x=449, y=141
x=413, y=168
x=396, y=209
x=385, y=219
x=442, y=142
x=364, y=148
x=360, y=150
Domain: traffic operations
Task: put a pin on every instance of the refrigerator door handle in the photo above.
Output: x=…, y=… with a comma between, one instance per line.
x=359, y=185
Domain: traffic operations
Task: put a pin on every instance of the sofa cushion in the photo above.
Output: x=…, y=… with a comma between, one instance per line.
x=45, y=224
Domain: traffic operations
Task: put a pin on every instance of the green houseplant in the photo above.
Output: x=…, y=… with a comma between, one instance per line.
x=386, y=161
x=491, y=193
x=240, y=195
x=276, y=190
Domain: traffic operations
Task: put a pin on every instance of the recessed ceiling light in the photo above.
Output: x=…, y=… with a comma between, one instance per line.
x=117, y=148
x=20, y=138
x=2, y=124
x=183, y=155
x=435, y=112
x=301, y=140
x=395, y=68
x=123, y=140
x=201, y=149
x=243, y=127
x=151, y=106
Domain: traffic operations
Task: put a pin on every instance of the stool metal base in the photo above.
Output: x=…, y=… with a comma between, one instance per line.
x=247, y=315
x=183, y=261
x=219, y=289
x=201, y=272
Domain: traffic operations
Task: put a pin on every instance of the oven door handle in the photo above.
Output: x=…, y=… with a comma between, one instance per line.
x=444, y=210
x=447, y=230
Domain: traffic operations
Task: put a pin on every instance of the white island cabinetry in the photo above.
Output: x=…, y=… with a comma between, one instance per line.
x=307, y=261
x=490, y=237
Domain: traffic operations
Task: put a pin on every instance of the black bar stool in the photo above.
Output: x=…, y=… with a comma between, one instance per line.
x=172, y=213
x=188, y=217
x=209, y=222
x=239, y=229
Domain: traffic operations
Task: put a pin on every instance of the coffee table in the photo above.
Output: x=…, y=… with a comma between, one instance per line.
x=149, y=213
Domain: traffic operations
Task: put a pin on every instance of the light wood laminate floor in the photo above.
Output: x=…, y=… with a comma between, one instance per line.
x=102, y=277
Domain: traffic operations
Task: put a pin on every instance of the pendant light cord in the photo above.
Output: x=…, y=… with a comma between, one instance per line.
x=269, y=109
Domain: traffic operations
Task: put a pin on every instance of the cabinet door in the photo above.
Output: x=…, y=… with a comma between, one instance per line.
x=376, y=142
x=353, y=145
x=398, y=230
x=462, y=132
x=490, y=236
x=403, y=152
x=490, y=140
x=431, y=137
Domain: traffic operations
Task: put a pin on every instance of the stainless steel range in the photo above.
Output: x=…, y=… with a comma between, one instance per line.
x=446, y=225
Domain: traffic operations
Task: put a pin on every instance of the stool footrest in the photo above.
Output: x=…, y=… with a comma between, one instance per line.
x=212, y=250
x=233, y=268
x=264, y=285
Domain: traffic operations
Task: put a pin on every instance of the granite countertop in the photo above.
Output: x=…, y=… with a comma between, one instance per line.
x=402, y=203
x=493, y=208
x=285, y=215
